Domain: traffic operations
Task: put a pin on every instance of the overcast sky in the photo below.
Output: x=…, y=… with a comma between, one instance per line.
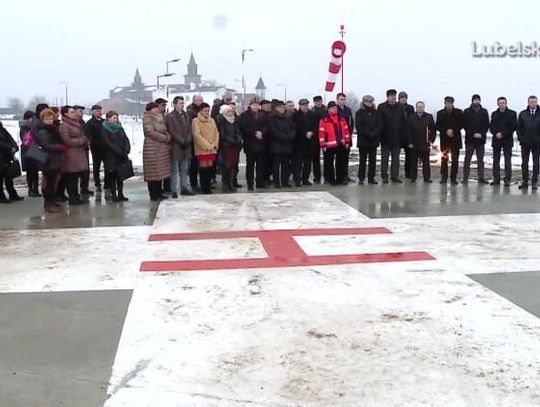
x=423, y=47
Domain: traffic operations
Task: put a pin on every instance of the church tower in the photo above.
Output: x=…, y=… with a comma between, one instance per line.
x=260, y=89
x=192, y=79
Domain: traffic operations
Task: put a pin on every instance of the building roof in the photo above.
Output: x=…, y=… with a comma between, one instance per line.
x=260, y=84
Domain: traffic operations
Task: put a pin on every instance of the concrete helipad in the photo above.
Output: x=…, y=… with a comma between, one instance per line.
x=454, y=324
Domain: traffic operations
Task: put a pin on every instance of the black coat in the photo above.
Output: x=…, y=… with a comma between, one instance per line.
x=408, y=111
x=229, y=133
x=393, y=119
x=6, y=144
x=421, y=131
x=93, y=131
x=116, y=147
x=505, y=123
x=368, y=128
x=48, y=138
x=346, y=113
x=249, y=124
x=450, y=120
x=281, y=134
x=303, y=123
x=528, y=128
x=475, y=121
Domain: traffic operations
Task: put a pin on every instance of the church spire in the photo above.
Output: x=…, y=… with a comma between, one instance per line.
x=137, y=81
x=192, y=79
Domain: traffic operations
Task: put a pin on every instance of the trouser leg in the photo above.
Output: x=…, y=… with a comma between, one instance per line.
x=362, y=156
x=497, y=163
x=508, y=164
x=469, y=150
x=384, y=162
x=455, y=164
x=394, y=169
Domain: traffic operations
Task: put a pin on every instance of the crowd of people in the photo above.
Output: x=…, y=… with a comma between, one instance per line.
x=186, y=149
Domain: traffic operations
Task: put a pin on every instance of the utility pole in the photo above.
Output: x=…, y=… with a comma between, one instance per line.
x=342, y=32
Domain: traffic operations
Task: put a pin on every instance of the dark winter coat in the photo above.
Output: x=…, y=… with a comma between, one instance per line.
x=179, y=128
x=191, y=112
x=6, y=144
x=408, y=111
x=72, y=134
x=475, y=121
x=368, y=128
x=214, y=112
x=393, y=119
x=250, y=123
x=281, y=134
x=93, y=131
x=116, y=148
x=303, y=123
x=48, y=138
x=229, y=133
x=450, y=120
x=504, y=123
x=421, y=131
x=528, y=128
x=346, y=113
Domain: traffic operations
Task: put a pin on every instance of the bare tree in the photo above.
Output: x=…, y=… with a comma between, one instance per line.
x=353, y=101
x=36, y=100
x=16, y=104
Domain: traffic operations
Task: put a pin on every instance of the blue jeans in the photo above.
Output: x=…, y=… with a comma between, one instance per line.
x=180, y=170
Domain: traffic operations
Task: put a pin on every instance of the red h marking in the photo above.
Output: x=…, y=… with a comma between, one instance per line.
x=282, y=250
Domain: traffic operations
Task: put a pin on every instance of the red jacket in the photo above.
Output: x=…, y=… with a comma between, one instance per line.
x=328, y=126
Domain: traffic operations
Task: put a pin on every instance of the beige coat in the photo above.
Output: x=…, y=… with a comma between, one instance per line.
x=156, y=148
x=75, y=159
x=205, y=135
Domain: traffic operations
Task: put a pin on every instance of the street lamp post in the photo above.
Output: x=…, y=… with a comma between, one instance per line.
x=284, y=89
x=170, y=62
x=244, y=51
x=167, y=71
x=66, y=90
x=165, y=75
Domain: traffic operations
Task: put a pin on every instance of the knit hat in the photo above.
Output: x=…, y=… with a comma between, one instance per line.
x=331, y=104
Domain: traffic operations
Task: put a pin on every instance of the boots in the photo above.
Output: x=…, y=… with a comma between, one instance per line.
x=226, y=180
x=114, y=196
x=51, y=207
x=120, y=186
x=72, y=188
x=205, y=175
x=3, y=199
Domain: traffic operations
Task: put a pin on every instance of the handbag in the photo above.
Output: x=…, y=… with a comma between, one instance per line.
x=13, y=169
x=36, y=154
x=124, y=170
x=27, y=140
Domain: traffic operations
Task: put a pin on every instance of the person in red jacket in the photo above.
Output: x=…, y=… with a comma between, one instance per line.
x=334, y=139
